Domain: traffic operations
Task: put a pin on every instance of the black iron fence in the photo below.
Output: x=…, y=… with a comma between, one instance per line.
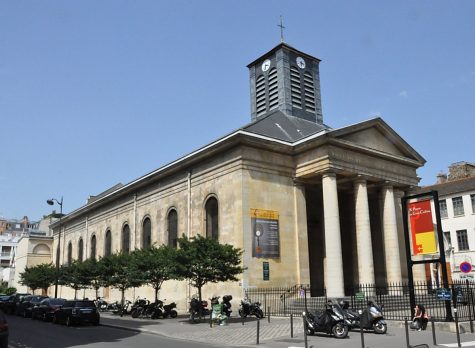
x=395, y=299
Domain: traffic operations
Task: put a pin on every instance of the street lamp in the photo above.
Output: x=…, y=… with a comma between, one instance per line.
x=60, y=203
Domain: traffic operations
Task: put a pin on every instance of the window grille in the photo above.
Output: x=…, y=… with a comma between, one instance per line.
x=309, y=90
x=295, y=91
x=260, y=95
x=462, y=240
x=273, y=89
x=443, y=208
x=457, y=203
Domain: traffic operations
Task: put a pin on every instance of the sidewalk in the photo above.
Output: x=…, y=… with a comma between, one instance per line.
x=277, y=333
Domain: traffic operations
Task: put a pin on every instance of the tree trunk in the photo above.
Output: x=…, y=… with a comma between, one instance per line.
x=122, y=303
x=156, y=294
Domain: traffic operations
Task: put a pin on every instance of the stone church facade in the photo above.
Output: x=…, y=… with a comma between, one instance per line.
x=307, y=203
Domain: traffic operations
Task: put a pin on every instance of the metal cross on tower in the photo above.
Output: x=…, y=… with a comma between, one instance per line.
x=281, y=25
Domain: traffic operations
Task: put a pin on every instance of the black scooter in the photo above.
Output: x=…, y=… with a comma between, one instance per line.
x=198, y=309
x=330, y=321
x=169, y=310
x=250, y=308
x=227, y=305
x=370, y=319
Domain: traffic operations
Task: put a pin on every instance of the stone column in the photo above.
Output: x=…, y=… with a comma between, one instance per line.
x=363, y=234
x=391, y=242
x=334, y=261
x=301, y=235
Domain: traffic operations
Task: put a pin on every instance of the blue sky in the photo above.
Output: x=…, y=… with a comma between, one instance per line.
x=93, y=93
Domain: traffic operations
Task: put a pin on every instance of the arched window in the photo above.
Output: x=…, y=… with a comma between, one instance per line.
x=146, y=234
x=80, y=250
x=93, y=247
x=126, y=239
x=108, y=243
x=211, y=218
x=70, y=253
x=172, y=228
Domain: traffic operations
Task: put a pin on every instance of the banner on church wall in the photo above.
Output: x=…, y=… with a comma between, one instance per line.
x=265, y=230
x=422, y=228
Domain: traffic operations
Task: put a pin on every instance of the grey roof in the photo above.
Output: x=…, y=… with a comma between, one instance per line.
x=284, y=127
x=452, y=187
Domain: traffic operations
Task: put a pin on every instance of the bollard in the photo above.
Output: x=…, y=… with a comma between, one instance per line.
x=291, y=326
x=433, y=331
x=361, y=329
x=457, y=327
x=268, y=314
x=407, y=333
x=305, y=331
x=258, y=327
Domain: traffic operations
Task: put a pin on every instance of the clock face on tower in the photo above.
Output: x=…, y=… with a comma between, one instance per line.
x=300, y=62
x=265, y=65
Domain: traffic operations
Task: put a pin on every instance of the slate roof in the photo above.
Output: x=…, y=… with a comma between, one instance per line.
x=452, y=187
x=284, y=127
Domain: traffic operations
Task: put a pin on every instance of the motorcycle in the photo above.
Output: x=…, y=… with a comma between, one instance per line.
x=116, y=307
x=370, y=319
x=330, y=321
x=139, y=307
x=250, y=308
x=101, y=304
x=198, y=309
x=169, y=310
x=227, y=305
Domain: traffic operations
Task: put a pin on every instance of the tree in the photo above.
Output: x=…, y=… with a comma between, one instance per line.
x=38, y=277
x=121, y=272
x=95, y=274
x=204, y=260
x=76, y=276
x=157, y=265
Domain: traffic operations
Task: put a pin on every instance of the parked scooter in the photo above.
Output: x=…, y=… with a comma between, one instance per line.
x=169, y=310
x=139, y=307
x=370, y=319
x=101, y=304
x=116, y=307
x=330, y=321
x=250, y=308
x=227, y=305
x=198, y=309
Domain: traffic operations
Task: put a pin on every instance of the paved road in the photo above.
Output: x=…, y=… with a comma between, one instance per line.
x=27, y=333
x=176, y=333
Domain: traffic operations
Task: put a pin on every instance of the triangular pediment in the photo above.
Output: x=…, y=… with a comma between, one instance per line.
x=376, y=135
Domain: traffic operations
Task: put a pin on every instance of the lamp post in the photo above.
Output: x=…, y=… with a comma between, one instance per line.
x=60, y=203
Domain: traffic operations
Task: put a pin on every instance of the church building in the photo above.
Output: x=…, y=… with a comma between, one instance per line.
x=307, y=203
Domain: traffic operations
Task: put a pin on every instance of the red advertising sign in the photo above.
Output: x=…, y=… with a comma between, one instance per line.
x=422, y=228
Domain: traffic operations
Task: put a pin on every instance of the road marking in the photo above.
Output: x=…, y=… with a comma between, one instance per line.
x=463, y=344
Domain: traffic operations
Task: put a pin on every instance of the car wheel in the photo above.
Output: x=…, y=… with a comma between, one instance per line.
x=95, y=323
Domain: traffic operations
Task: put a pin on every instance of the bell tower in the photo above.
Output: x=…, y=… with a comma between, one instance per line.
x=288, y=80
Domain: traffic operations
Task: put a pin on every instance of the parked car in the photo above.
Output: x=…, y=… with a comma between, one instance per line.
x=3, y=302
x=10, y=305
x=77, y=312
x=46, y=308
x=3, y=331
x=24, y=307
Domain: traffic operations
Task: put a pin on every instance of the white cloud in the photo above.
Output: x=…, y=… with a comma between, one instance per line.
x=403, y=93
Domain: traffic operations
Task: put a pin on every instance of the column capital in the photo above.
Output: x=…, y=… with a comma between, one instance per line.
x=360, y=179
x=328, y=174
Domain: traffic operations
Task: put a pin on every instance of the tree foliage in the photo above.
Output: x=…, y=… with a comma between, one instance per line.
x=76, y=276
x=204, y=260
x=157, y=265
x=38, y=277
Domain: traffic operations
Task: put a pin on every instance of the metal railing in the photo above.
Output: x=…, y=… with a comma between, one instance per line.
x=394, y=298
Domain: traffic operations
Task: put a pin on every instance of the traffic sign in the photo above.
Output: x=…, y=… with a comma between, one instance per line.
x=466, y=267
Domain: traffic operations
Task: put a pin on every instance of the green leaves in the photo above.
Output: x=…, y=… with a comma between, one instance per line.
x=203, y=260
x=38, y=277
